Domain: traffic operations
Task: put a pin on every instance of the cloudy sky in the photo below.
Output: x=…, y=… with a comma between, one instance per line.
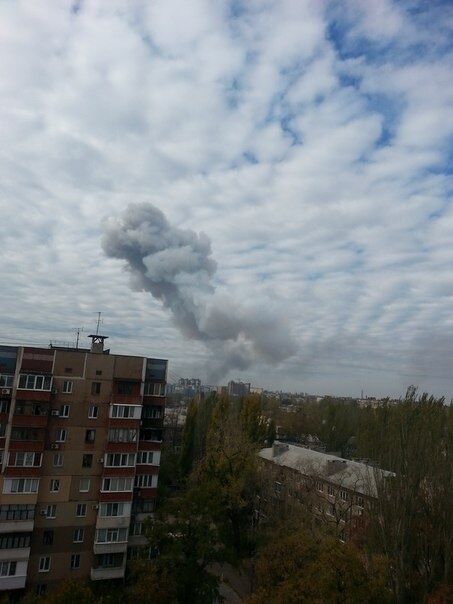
x=310, y=140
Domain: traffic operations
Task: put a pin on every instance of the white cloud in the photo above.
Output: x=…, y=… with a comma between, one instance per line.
x=309, y=142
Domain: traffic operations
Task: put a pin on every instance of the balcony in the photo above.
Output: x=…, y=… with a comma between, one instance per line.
x=113, y=522
x=99, y=574
x=110, y=548
x=14, y=582
x=16, y=526
x=15, y=553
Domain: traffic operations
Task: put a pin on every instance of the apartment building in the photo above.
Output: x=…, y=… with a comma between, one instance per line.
x=338, y=493
x=80, y=442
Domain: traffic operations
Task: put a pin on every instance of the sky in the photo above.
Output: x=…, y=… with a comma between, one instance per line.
x=310, y=141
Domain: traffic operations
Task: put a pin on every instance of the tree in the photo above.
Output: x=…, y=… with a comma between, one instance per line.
x=303, y=567
x=150, y=583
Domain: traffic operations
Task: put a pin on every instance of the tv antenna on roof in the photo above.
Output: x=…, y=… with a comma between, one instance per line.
x=78, y=331
x=98, y=323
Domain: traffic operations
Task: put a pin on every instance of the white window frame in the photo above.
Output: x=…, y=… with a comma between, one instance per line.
x=26, y=485
x=79, y=535
x=30, y=459
x=68, y=386
x=6, y=566
x=143, y=458
x=32, y=380
x=154, y=389
x=145, y=481
x=128, y=457
x=93, y=411
x=83, y=507
x=60, y=458
x=75, y=561
x=64, y=411
x=50, y=511
x=111, y=535
x=61, y=435
x=109, y=506
x=344, y=495
x=54, y=485
x=86, y=480
x=6, y=380
x=117, y=482
x=44, y=564
x=121, y=411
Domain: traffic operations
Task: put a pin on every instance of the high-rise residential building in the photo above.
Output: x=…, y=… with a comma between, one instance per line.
x=238, y=388
x=80, y=441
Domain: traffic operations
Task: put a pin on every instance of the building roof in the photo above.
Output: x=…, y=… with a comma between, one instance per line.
x=351, y=475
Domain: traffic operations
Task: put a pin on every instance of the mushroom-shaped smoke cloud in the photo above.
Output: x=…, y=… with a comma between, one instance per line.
x=176, y=267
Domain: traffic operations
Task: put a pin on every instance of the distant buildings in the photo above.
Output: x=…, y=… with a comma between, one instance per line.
x=80, y=441
x=337, y=491
x=237, y=389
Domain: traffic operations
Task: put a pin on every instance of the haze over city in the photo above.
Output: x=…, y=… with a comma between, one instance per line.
x=310, y=142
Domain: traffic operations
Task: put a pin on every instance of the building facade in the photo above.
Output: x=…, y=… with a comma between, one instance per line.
x=80, y=442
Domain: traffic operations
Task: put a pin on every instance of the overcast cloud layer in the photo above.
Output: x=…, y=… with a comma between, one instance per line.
x=311, y=142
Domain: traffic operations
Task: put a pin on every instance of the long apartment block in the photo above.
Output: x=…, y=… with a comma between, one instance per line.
x=80, y=442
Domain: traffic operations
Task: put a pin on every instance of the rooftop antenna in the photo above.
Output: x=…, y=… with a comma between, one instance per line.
x=98, y=323
x=78, y=331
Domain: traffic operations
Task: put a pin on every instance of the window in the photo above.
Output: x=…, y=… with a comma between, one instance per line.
x=44, y=564
x=2, y=429
x=119, y=459
x=4, y=406
x=125, y=411
x=319, y=486
x=111, y=509
x=359, y=500
x=35, y=382
x=14, y=540
x=147, y=481
x=20, y=485
x=54, y=485
x=47, y=538
x=50, y=511
x=125, y=388
x=330, y=490
x=111, y=535
x=60, y=435
x=330, y=510
x=93, y=412
x=122, y=435
x=145, y=457
x=120, y=483
x=24, y=434
x=8, y=569
x=41, y=589
x=81, y=510
x=151, y=412
x=150, y=434
x=18, y=511
x=64, y=410
x=344, y=495
x=68, y=369
x=87, y=460
x=57, y=461
x=113, y=560
x=98, y=372
x=137, y=528
x=96, y=388
x=90, y=436
x=79, y=535
x=152, y=389
x=84, y=485
x=75, y=561
x=144, y=506
x=6, y=381
x=23, y=459
x=67, y=386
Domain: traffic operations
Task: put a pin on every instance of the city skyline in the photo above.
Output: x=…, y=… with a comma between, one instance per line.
x=308, y=140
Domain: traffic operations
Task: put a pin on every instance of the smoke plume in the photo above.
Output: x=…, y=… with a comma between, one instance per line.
x=176, y=267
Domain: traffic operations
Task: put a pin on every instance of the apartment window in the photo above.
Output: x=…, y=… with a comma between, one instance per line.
x=125, y=388
x=44, y=564
x=8, y=569
x=47, y=538
x=24, y=434
x=75, y=561
x=111, y=509
x=18, y=511
x=151, y=435
x=111, y=535
x=23, y=459
x=319, y=486
x=6, y=381
x=67, y=386
x=87, y=460
x=152, y=389
x=119, y=460
x=359, y=500
x=14, y=540
x=68, y=369
x=330, y=510
x=79, y=535
x=144, y=506
x=81, y=510
x=50, y=511
x=145, y=457
x=124, y=411
x=84, y=485
x=57, y=461
x=150, y=412
x=137, y=528
x=60, y=435
x=54, y=485
x=4, y=406
x=64, y=410
x=98, y=372
x=344, y=495
x=122, y=435
x=93, y=412
x=115, y=484
x=90, y=436
x=146, y=481
x=109, y=560
x=2, y=429
x=35, y=382
x=330, y=490
x=41, y=589
x=20, y=485
x=96, y=388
